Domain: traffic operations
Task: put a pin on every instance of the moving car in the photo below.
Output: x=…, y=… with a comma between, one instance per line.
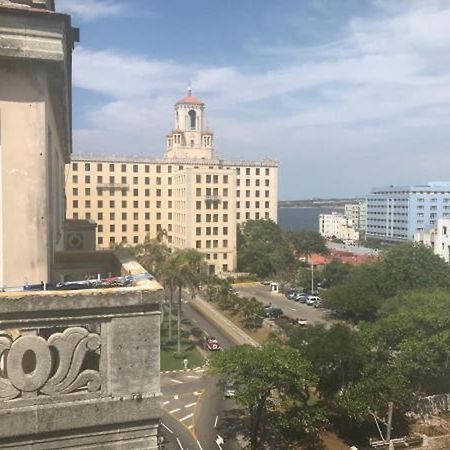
x=212, y=344
x=312, y=300
x=273, y=313
x=300, y=322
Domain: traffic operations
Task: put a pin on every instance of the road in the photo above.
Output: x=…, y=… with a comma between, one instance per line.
x=292, y=309
x=194, y=410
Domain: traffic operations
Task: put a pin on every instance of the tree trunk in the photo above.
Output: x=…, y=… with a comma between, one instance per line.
x=170, y=311
x=179, y=320
x=255, y=420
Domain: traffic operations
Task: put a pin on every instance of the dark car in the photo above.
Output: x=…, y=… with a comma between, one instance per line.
x=274, y=313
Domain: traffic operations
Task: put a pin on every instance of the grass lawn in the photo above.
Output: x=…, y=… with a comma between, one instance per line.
x=170, y=358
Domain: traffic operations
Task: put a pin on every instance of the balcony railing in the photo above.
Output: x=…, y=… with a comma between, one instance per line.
x=112, y=186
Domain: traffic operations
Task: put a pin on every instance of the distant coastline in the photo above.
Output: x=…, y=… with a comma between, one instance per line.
x=337, y=203
x=325, y=205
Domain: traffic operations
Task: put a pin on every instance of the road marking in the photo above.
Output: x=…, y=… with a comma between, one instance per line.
x=197, y=393
x=175, y=410
x=193, y=376
x=215, y=422
x=167, y=428
x=187, y=417
x=190, y=405
x=199, y=446
x=219, y=442
x=165, y=403
x=176, y=381
x=293, y=309
x=179, y=443
x=175, y=397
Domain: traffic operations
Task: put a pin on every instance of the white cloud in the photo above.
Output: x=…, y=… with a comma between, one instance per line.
x=368, y=99
x=89, y=10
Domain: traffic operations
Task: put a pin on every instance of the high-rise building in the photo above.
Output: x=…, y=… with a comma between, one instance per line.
x=398, y=212
x=192, y=197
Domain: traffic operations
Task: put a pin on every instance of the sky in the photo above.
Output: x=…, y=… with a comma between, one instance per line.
x=345, y=94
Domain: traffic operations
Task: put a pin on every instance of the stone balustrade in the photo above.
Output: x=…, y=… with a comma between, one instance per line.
x=80, y=368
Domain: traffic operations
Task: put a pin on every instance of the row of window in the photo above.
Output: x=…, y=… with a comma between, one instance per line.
x=211, y=230
x=135, y=168
x=212, y=244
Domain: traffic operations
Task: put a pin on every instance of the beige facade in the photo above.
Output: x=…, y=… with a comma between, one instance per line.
x=337, y=226
x=195, y=198
x=437, y=238
x=35, y=142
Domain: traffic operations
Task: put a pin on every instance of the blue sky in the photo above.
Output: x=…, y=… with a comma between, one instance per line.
x=346, y=94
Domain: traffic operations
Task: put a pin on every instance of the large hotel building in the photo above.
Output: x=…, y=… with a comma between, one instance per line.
x=194, y=198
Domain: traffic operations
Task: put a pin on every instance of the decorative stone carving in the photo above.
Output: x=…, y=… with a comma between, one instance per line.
x=31, y=360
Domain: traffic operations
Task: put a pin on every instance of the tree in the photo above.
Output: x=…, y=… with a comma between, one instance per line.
x=335, y=273
x=337, y=355
x=252, y=312
x=402, y=268
x=152, y=255
x=305, y=242
x=187, y=273
x=262, y=248
x=270, y=379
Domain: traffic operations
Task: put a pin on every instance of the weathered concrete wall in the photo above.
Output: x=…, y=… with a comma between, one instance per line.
x=432, y=405
x=102, y=390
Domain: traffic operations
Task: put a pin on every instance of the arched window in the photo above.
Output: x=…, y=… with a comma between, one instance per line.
x=193, y=117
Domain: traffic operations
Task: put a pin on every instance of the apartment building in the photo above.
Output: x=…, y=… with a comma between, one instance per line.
x=190, y=195
x=437, y=238
x=338, y=226
x=398, y=212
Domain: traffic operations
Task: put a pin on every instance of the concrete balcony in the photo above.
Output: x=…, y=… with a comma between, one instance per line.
x=213, y=199
x=112, y=186
x=80, y=368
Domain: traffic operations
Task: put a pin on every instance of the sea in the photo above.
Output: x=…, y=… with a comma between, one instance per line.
x=306, y=218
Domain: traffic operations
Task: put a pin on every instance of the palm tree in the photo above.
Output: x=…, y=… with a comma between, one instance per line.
x=188, y=265
x=169, y=278
x=152, y=255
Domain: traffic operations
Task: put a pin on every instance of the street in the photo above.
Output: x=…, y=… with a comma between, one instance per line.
x=195, y=413
x=292, y=309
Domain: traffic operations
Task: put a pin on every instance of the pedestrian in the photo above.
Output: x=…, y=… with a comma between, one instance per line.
x=185, y=362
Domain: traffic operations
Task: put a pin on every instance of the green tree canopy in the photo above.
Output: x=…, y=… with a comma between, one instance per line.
x=262, y=248
x=402, y=268
x=269, y=380
x=306, y=242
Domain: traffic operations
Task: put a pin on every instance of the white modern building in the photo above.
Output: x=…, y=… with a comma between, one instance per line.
x=337, y=226
x=397, y=213
x=437, y=238
x=357, y=214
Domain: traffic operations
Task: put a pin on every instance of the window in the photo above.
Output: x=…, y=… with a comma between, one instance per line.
x=225, y=179
x=75, y=215
x=100, y=179
x=169, y=169
x=136, y=227
x=74, y=167
x=135, y=204
x=198, y=231
x=158, y=216
x=158, y=204
x=158, y=180
x=257, y=171
x=75, y=179
x=247, y=182
x=147, y=216
x=198, y=218
x=147, y=204
x=100, y=241
x=124, y=227
x=198, y=205
x=198, y=192
x=111, y=168
x=100, y=228
x=247, y=171
x=247, y=204
x=111, y=204
x=124, y=216
x=267, y=183
x=100, y=204
x=247, y=216
x=124, y=168
x=214, y=255
x=87, y=167
x=124, y=203
x=267, y=171
x=257, y=183
x=225, y=217
x=225, y=205
x=247, y=193
x=198, y=244
x=192, y=119
x=75, y=191
x=267, y=194
x=238, y=193
x=225, y=192
x=238, y=171
x=158, y=192
x=135, y=216
x=147, y=180
x=225, y=267
x=158, y=169
x=112, y=228
x=112, y=216
x=147, y=168
x=147, y=227
x=215, y=217
x=215, y=231
x=135, y=168
x=225, y=243
x=208, y=217
x=225, y=231
x=75, y=204
x=215, y=179
x=135, y=192
x=87, y=179
x=215, y=243
x=208, y=178
x=100, y=216
x=266, y=204
x=198, y=178
x=99, y=167
x=135, y=239
x=124, y=239
x=208, y=244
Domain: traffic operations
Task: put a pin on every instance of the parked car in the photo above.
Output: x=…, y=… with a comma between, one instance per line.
x=212, y=344
x=230, y=390
x=312, y=299
x=265, y=282
x=274, y=313
x=300, y=322
x=318, y=304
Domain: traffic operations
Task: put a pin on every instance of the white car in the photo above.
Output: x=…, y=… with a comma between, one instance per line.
x=312, y=300
x=230, y=391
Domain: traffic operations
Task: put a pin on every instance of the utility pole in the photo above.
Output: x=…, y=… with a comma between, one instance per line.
x=389, y=426
x=312, y=279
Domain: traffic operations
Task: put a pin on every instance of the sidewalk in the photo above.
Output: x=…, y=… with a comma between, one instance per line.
x=225, y=325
